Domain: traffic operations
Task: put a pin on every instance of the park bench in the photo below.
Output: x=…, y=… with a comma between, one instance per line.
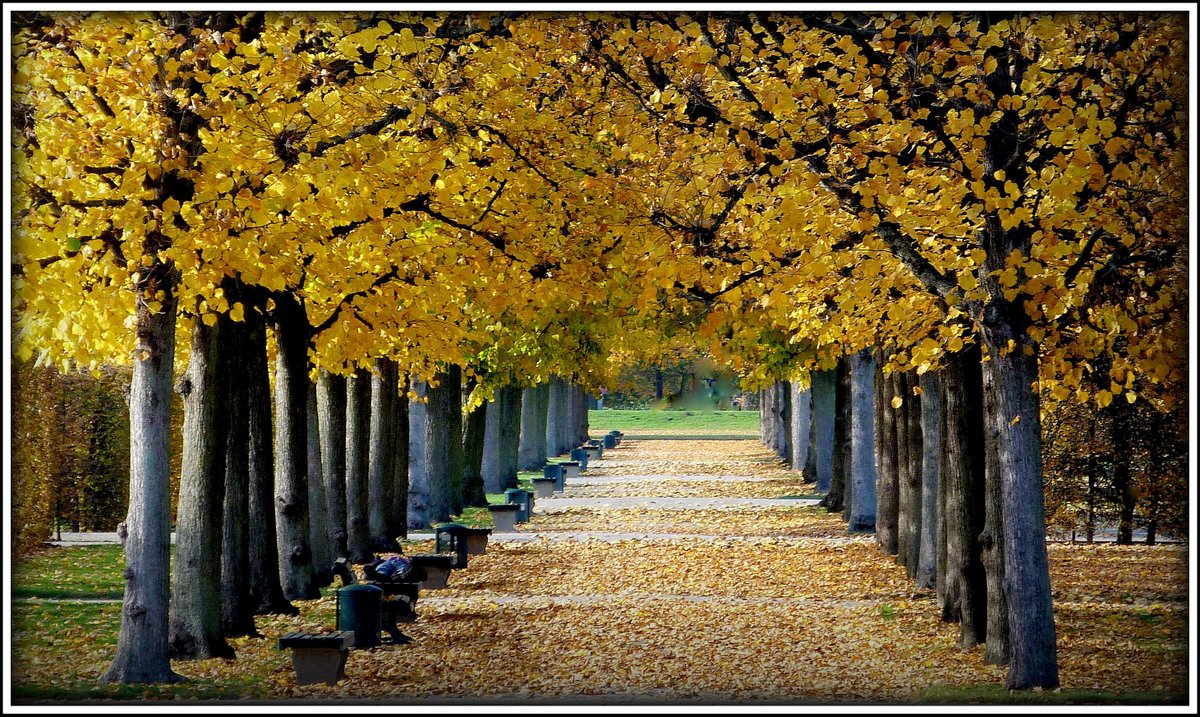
x=318, y=657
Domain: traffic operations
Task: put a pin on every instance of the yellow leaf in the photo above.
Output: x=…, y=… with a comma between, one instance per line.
x=897, y=402
x=1104, y=398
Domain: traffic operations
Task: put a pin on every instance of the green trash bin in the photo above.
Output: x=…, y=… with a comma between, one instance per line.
x=523, y=499
x=360, y=609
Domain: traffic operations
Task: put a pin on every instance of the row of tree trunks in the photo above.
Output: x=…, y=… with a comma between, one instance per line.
x=419, y=515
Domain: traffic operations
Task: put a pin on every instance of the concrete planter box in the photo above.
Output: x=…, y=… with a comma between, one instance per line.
x=595, y=453
x=544, y=487
x=477, y=540
x=504, y=517
x=571, y=469
x=318, y=658
x=437, y=567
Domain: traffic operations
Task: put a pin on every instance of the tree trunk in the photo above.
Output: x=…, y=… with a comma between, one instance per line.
x=833, y=500
x=556, y=417
x=474, y=428
x=862, y=449
x=195, y=615
x=783, y=435
x=532, y=446
x=381, y=473
x=265, y=583
x=1119, y=411
x=358, y=467
x=455, y=415
x=916, y=456
x=489, y=462
x=419, y=515
x=931, y=446
x=442, y=441
x=142, y=641
x=887, y=515
x=1015, y=420
x=237, y=604
x=800, y=425
x=991, y=538
x=905, y=500
x=398, y=517
x=318, y=506
x=962, y=469
x=820, y=448
x=658, y=384
x=510, y=435
x=291, y=451
x=331, y=420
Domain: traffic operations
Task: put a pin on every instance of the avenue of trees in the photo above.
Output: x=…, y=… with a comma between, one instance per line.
x=356, y=243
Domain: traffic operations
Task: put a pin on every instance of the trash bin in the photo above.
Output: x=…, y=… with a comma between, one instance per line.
x=555, y=471
x=523, y=499
x=610, y=441
x=456, y=542
x=360, y=610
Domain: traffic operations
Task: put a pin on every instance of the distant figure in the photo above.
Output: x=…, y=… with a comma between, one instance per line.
x=603, y=395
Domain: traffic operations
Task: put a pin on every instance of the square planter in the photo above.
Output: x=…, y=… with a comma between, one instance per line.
x=318, y=658
x=544, y=487
x=504, y=517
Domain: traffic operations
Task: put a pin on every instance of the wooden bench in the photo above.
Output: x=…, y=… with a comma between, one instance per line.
x=318, y=657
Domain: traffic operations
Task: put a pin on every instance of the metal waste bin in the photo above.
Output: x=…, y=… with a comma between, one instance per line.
x=360, y=610
x=610, y=441
x=523, y=499
x=555, y=471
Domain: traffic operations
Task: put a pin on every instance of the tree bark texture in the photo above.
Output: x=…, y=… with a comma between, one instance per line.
x=398, y=516
x=323, y=546
x=783, y=434
x=991, y=539
x=916, y=457
x=195, y=615
x=265, y=583
x=962, y=469
x=862, y=450
x=419, y=515
x=291, y=451
x=381, y=473
x=820, y=449
x=510, y=435
x=800, y=424
x=331, y=421
x=834, y=499
x=905, y=499
x=142, y=640
x=358, y=467
x=441, y=442
x=237, y=603
x=534, y=404
x=474, y=428
x=931, y=446
x=887, y=513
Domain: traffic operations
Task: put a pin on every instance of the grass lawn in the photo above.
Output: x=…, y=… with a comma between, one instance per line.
x=637, y=424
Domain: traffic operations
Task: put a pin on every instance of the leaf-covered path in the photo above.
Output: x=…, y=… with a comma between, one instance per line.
x=689, y=600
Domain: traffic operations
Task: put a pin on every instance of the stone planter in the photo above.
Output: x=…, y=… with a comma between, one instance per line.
x=595, y=453
x=437, y=567
x=544, y=487
x=504, y=517
x=579, y=454
x=318, y=658
x=477, y=540
x=570, y=469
